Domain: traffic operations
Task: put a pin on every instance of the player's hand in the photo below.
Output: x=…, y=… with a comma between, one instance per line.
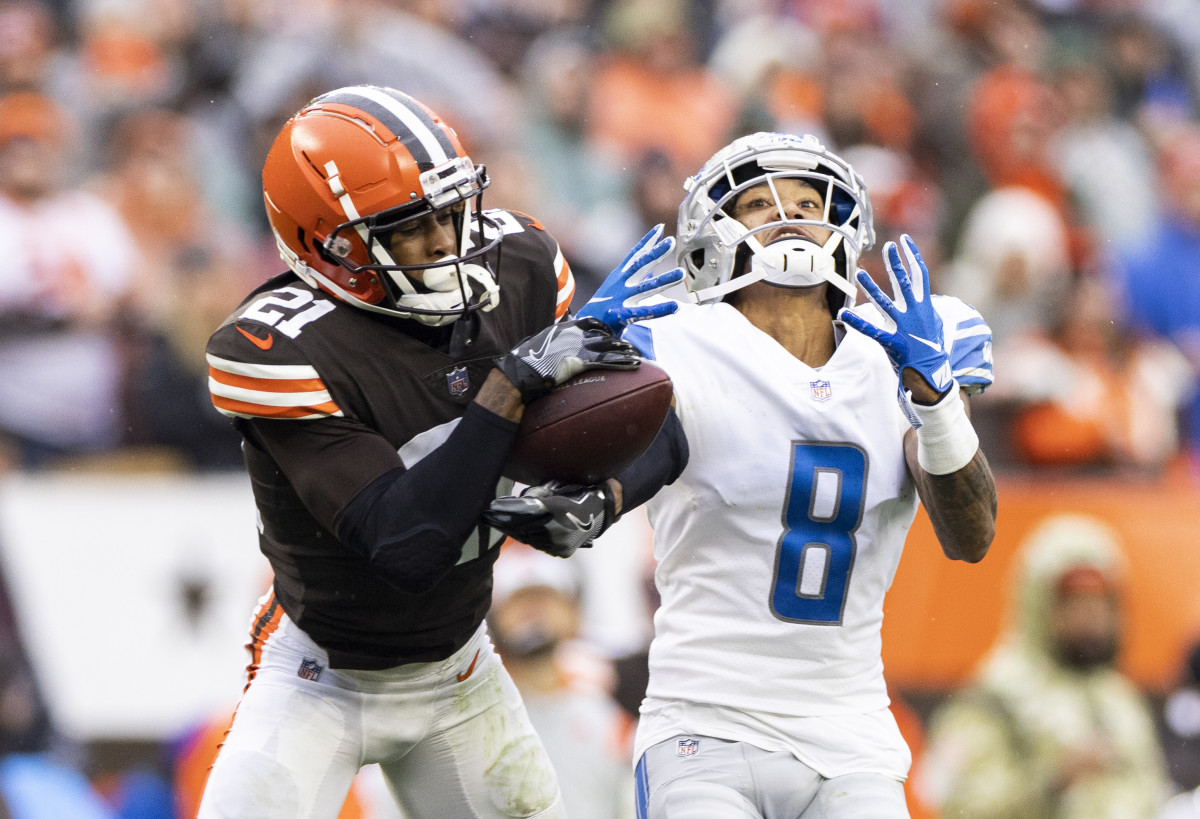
x=555, y=517
x=917, y=342
x=614, y=301
x=546, y=359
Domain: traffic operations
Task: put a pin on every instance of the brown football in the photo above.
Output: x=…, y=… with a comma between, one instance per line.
x=591, y=426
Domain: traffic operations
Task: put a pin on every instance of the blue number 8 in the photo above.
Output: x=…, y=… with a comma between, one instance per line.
x=823, y=508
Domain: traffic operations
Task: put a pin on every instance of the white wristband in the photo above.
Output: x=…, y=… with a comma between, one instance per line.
x=946, y=441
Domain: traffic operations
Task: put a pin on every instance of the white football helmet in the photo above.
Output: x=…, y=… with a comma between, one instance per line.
x=719, y=254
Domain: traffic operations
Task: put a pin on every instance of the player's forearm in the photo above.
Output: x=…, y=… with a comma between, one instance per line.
x=499, y=396
x=961, y=505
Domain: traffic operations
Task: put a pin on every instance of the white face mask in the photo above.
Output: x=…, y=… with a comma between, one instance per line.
x=445, y=292
x=796, y=262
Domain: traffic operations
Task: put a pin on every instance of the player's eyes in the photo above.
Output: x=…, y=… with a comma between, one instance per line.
x=758, y=203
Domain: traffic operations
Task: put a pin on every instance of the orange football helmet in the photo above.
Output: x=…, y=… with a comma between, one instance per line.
x=346, y=171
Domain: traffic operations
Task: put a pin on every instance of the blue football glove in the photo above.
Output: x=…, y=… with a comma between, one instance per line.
x=613, y=302
x=917, y=341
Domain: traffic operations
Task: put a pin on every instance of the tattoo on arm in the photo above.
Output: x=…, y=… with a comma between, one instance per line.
x=962, y=505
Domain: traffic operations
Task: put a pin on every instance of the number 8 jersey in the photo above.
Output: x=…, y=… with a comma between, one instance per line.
x=778, y=542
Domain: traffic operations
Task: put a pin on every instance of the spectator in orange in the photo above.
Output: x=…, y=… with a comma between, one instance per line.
x=651, y=93
x=1012, y=117
x=1093, y=395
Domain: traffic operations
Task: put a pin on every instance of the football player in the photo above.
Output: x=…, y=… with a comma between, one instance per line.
x=814, y=428
x=378, y=385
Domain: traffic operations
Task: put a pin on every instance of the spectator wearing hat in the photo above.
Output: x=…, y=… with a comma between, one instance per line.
x=534, y=622
x=1049, y=728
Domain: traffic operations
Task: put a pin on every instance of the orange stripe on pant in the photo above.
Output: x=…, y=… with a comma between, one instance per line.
x=266, y=621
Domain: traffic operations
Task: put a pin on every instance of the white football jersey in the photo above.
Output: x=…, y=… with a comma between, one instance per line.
x=776, y=545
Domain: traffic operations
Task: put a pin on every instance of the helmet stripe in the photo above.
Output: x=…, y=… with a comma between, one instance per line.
x=408, y=121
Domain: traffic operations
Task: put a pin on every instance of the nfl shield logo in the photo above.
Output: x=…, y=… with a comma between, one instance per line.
x=820, y=390
x=310, y=670
x=687, y=747
x=458, y=382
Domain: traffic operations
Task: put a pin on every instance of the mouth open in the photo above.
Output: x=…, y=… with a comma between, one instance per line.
x=789, y=232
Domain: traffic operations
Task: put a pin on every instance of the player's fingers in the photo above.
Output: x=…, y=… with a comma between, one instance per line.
x=651, y=311
x=863, y=326
x=901, y=283
x=652, y=236
x=652, y=255
x=916, y=265
x=516, y=510
x=660, y=282
x=875, y=294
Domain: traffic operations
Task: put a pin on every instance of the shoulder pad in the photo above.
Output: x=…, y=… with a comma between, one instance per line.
x=968, y=339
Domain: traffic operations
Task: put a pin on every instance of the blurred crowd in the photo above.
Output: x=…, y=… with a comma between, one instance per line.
x=1045, y=155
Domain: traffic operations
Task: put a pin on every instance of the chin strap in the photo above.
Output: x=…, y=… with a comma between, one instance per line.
x=788, y=263
x=798, y=263
x=446, y=294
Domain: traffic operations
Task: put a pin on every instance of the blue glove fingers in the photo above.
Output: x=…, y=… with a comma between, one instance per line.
x=651, y=238
x=916, y=265
x=649, y=257
x=901, y=281
x=875, y=294
x=650, y=311
x=866, y=328
x=619, y=317
x=660, y=282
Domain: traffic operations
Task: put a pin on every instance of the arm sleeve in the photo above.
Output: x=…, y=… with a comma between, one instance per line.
x=662, y=462
x=410, y=524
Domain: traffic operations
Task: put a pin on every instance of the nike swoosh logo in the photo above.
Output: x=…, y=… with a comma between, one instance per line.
x=470, y=669
x=937, y=347
x=537, y=353
x=582, y=524
x=258, y=342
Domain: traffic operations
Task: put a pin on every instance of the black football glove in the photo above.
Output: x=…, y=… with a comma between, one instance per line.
x=546, y=359
x=555, y=517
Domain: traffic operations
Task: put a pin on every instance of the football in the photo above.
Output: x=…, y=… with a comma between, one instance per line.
x=591, y=426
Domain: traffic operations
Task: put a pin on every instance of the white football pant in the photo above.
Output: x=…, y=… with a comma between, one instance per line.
x=698, y=777
x=451, y=737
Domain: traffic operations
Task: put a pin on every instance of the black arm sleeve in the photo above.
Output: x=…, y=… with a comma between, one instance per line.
x=662, y=462
x=411, y=524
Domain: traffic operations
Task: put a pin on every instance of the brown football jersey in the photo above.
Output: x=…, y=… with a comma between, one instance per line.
x=328, y=398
